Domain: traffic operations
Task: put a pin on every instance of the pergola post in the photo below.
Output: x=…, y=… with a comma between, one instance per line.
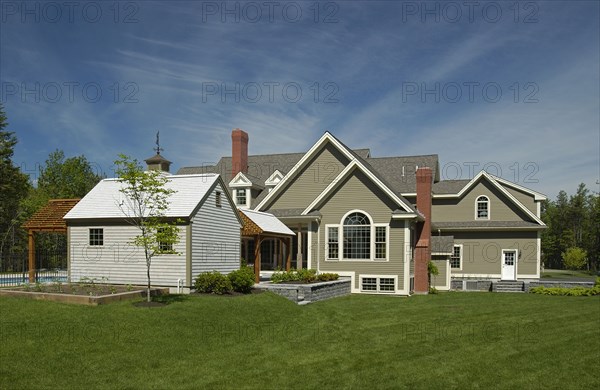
x=31, y=256
x=258, y=242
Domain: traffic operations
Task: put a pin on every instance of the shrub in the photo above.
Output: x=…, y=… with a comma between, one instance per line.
x=433, y=290
x=242, y=279
x=307, y=275
x=283, y=276
x=213, y=283
x=573, y=292
x=597, y=283
x=325, y=277
x=574, y=258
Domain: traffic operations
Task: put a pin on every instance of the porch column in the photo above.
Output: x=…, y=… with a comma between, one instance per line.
x=299, y=254
x=257, y=242
x=280, y=254
x=288, y=263
x=31, y=257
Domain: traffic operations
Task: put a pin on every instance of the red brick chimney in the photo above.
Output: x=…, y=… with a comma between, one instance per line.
x=239, y=152
x=422, y=248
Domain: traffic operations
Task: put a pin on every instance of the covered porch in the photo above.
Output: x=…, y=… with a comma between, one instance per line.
x=266, y=240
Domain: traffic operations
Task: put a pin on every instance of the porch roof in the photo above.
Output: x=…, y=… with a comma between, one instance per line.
x=50, y=217
x=258, y=222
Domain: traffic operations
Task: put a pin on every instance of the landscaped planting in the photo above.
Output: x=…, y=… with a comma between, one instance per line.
x=240, y=281
x=302, y=275
x=575, y=291
x=448, y=340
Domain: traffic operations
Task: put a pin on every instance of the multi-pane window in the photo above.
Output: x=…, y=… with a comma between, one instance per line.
x=240, y=197
x=96, y=237
x=482, y=207
x=380, y=242
x=456, y=257
x=332, y=243
x=509, y=258
x=387, y=284
x=375, y=284
x=357, y=237
x=163, y=245
x=369, y=284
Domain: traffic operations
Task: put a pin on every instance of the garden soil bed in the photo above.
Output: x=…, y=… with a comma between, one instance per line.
x=82, y=294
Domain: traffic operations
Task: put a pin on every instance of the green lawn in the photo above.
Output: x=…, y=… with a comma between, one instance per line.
x=452, y=340
x=565, y=274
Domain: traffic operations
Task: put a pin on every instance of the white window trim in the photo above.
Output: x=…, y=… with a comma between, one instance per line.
x=378, y=277
x=235, y=199
x=340, y=227
x=461, y=258
x=489, y=208
x=327, y=258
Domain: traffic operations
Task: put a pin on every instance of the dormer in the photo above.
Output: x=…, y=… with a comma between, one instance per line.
x=242, y=186
x=273, y=180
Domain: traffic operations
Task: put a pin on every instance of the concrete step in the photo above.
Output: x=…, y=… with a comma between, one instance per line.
x=508, y=286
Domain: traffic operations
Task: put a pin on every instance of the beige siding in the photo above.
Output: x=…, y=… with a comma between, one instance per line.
x=358, y=193
x=482, y=252
x=463, y=209
x=215, y=237
x=120, y=261
x=327, y=164
x=526, y=199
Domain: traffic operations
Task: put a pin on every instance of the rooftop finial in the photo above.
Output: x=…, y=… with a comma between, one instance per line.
x=158, y=149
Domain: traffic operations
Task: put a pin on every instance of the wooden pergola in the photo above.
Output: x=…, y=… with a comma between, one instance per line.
x=48, y=219
x=252, y=229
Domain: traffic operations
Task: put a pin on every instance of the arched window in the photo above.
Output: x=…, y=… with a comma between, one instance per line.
x=357, y=236
x=482, y=208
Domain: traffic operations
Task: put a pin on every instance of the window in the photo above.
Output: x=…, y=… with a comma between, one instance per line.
x=218, y=199
x=369, y=284
x=380, y=242
x=332, y=243
x=240, y=197
x=456, y=258
x=162, y=245
x=96, y=237
x=377, y=284
x=482, y=208
x=357, y=236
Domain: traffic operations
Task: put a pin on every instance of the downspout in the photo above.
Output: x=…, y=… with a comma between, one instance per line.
x=318, y=246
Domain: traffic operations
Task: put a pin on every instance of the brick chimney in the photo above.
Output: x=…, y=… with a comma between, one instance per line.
x=422, y=248
x=239, y=152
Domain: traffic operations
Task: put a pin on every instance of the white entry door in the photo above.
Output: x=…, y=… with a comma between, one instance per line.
x=509, y=265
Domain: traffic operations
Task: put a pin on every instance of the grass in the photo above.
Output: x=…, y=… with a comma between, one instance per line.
x=564, y=274
x=451, y=340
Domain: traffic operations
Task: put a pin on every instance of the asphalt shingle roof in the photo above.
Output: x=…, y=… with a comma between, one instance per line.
x=484, y=224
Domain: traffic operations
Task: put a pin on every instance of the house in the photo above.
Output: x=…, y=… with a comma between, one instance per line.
x=379, y=220
x=99, y=236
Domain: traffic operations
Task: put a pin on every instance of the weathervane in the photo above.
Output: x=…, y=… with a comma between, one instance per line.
x=158, y=149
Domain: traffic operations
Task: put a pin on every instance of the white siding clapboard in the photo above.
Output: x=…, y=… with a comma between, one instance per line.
x=120, y=261
x=215, y=237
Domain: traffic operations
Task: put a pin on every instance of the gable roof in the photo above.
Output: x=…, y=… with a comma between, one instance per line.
x=491, y=179
x=356, y=161
x=266, y=223
x=104, y=199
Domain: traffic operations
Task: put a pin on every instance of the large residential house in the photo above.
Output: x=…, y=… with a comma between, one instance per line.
x=379, y=220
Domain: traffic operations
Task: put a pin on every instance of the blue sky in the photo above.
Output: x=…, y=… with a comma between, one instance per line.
x=515, y=89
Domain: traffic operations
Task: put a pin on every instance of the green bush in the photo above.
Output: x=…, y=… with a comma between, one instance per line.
x=597, y=283
x=284, y=276
x=326, y=277
x=213, y=283
x=573, y=292
x=242, y=279
x=574, y=258
x=304, y=275
x=307, y=275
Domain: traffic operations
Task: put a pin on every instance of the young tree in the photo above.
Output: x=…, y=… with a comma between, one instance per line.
x=574, y=258
x=145, y=203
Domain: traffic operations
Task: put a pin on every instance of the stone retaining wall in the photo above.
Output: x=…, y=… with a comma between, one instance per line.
x=482, y=285
x=306, y=293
